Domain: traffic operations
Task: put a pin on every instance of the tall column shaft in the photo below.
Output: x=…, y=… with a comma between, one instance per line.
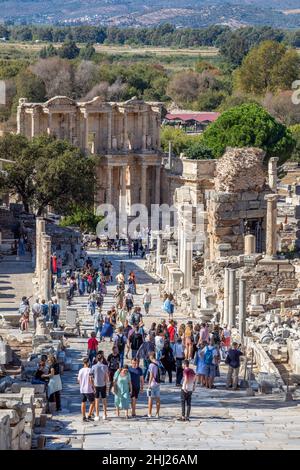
x=40, y=229
x=158, y=252
x=46, y=267
x=122, y=200
x=188, y=268
x=271, y=225
x=144, y=185
x=86, y=132
x=242, y=308
x=157, y=184
x=109, y=126
x=109, y=185
x=272, y=173
x=232, y=298
x=226, y=297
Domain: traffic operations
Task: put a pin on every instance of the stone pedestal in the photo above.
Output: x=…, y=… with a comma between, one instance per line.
x=62, y=298
x=249, y=245
x=272, y=173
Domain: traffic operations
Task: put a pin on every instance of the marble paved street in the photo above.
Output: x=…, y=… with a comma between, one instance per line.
x=220, y=419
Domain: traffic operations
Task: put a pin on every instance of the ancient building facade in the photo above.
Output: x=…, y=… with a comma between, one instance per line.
x=125, y=136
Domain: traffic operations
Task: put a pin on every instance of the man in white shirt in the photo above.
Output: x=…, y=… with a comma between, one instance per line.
x=147, y=299
x=86, y=390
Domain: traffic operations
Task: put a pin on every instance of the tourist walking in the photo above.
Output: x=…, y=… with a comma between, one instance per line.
x=153, y=391
x=55, y=312
x=167, y=360
x=188, y=340
x=100, y=380
x=87, y=390
x=98, y=324
x=178, y=352
x=45, y=310
x=147, y=347
x=120, y=342
x=210, y=355
x=54, y=385
x=122, y=390
x=107, y=329
x=129, y=301
x=200, y=364
x=233, y=362
x=137, y=382
x=92, y=348
x=147, y=299
x=135, y=340
x=188, y=387
x=36, y=312
x=113, y=362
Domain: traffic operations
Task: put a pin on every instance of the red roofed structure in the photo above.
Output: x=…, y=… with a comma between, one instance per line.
x=191, y=121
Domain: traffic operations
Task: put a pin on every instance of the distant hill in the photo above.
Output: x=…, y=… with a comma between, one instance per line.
x=235, y=13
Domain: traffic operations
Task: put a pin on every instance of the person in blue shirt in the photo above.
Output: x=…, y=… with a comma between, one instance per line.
x=137, y=382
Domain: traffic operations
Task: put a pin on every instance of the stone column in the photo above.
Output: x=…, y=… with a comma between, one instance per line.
x=49, y=129
x=34, y=123
x=144, y=185
x=72, y=132
x=226, y=296
x=242, y=308
x=109, y=126
x=188, y=268
x=158, y=251
x=144, y=131
x=46, y=268
x=232, y=298
x=272, y=173
x=271, y=237
x=86, y=129
x=157, y=184
x=109, y=185
x=125, y=132
x=40, y=229
x=249, y=245
x=122, y=199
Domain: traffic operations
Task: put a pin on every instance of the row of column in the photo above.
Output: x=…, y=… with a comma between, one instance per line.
x=123, y=186
x=230, y=301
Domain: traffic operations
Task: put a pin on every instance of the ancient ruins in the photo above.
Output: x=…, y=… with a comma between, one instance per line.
x=125, y=136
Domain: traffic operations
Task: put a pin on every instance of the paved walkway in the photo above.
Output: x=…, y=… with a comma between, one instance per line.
x=220, y=419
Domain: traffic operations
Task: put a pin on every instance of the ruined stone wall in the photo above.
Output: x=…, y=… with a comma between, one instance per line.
x=238, y=200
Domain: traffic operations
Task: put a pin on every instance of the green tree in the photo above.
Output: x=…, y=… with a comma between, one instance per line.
x=48, y=51
x=69, y=50
x=199, y=151
x=47, y=171
x=82, y=217
x=249, y=125
x=30, y=86
x=180, y=140
x=295, y=131
x=87, y=52
x=268, y=67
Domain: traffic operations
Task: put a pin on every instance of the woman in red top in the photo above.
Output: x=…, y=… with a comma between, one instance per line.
x=92, y=348
x=172, y=333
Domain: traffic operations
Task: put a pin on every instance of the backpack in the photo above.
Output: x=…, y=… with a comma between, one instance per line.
x=208, y=356
x=136, y=341
x=157, y=378
x=120, y=343
x=135, y=319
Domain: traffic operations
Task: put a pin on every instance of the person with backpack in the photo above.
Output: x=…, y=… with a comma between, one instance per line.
x=210, y=356
x=153, y=391
x=45, y=310
x=137, y=382
x=129, y=301
x=100, y=378
x=120, y=341
x=135, y=341
x=55, y=311
x=113, y=361
x=136, y=317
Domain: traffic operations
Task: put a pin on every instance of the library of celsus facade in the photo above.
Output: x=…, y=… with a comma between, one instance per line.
x=125, y=137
